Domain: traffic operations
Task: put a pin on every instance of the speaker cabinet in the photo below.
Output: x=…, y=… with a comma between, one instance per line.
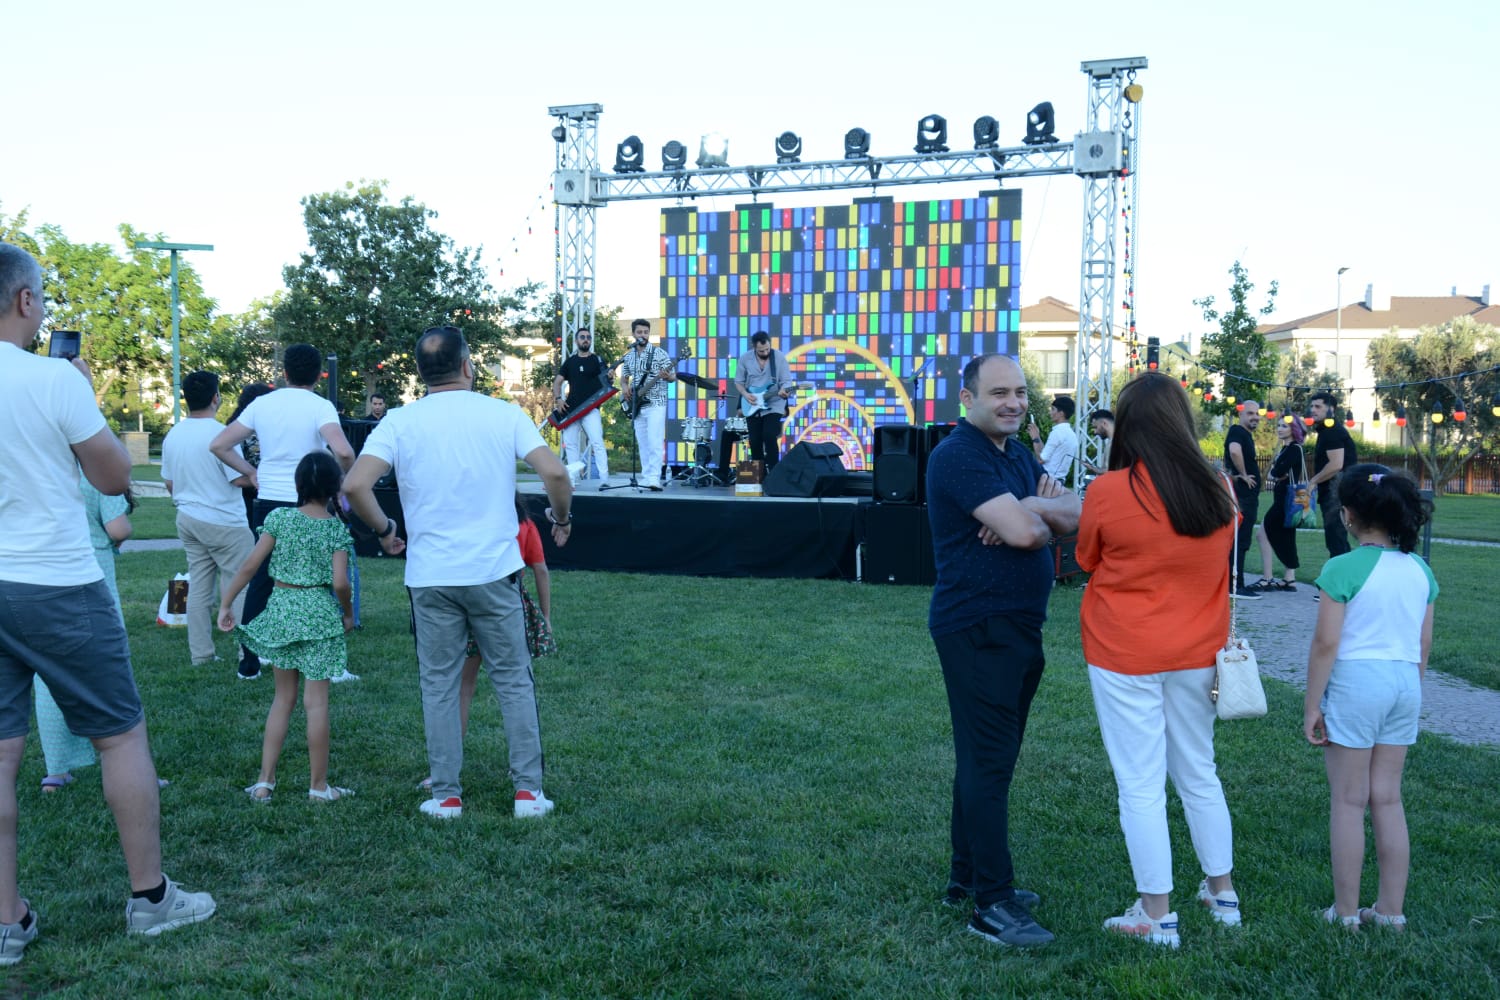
x=808, y=470
x=898, y=545
x=898, y=474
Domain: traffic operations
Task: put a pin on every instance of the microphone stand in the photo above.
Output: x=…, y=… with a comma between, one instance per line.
x=635, y=462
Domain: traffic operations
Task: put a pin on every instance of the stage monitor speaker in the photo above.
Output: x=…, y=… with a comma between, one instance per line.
x=898, y=545
x=898, y=463
x=808, y=470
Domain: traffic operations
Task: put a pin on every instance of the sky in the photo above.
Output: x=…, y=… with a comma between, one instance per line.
x=1296, y=137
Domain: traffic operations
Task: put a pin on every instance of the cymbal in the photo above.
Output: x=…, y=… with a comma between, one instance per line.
x=697, y=381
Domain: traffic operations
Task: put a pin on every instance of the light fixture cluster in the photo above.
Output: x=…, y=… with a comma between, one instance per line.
x=932, y=138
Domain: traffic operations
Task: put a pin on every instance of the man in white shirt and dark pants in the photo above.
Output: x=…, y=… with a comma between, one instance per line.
x=454, y=452
x=1062, y=443
x=210, y=511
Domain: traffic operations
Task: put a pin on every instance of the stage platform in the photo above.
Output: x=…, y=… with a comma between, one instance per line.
x=707, y=531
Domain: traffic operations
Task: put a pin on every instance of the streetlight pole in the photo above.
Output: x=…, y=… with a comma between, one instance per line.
x=176, y=341
x=1338, y=321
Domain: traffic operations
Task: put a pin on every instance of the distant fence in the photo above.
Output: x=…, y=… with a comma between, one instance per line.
x=1479, y=474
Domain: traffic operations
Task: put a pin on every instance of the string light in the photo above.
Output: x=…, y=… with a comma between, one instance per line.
x=1437, y=411
x=1400, y=415
x=1495, y=405
x=1348, y=418
x=1459, y=413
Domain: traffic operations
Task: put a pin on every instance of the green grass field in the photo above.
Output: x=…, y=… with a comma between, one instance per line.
x=742, y=812
x=1476, y=518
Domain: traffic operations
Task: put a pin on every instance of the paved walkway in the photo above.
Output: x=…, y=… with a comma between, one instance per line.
x=1280, y=627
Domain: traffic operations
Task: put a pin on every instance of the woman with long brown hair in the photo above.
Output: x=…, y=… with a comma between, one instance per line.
x=1156, y=531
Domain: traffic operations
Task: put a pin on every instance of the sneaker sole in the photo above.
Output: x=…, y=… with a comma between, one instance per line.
x=1227, y=918
x=995, y=939
x=172, y=925
x=531, y=812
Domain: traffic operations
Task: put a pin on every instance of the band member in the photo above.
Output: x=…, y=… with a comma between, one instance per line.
x=584, y=374
x=646, y=372
x=764, y=381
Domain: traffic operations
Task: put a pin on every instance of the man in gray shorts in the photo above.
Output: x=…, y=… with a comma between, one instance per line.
x=454, y=453
x=57, y=619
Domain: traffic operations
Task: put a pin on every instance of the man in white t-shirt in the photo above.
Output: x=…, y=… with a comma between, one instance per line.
x=289, y=423
x=57, y=619
x=454, y=453
x=210, y=511
x=1062, y=443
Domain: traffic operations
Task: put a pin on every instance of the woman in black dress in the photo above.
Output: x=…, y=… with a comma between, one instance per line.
x=1290, y=465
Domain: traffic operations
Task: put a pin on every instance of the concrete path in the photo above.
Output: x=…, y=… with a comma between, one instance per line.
x=1280, y=627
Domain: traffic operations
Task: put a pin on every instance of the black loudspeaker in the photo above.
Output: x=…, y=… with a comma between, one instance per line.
x=365, y=542
x=808, y=470
x=898, y=450
x=1065, y=556
x=898, y=545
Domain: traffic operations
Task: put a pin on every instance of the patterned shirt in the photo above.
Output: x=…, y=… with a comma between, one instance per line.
x=641, y=365
x=305, y=546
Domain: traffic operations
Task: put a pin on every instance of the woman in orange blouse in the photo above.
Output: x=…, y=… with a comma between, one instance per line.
x=1155, y=533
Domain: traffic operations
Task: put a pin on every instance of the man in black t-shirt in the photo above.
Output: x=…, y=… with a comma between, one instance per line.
x=1334, y=453
x=1240, y=465
x=584, y=374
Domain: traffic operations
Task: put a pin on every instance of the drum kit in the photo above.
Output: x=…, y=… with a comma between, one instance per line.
x=699, y=432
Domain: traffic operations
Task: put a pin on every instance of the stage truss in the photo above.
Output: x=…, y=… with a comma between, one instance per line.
x=1103, y=154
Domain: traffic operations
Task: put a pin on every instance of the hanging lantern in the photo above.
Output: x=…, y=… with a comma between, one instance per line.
x=1459, y=413
x=1400, y=415
x=1375, y=421
x=1348, y=418
x=1437, y=411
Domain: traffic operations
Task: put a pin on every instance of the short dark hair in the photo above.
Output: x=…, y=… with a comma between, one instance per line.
x=317, y=478
x=640, y=322
x=760, y=337
x=377, y=395
x=971, y=370
x=1329, y=399
x=303, y=364
x=199, y=389
x=18, y=270
x=1064, y=404
x=1101, y=415
x=440, y=354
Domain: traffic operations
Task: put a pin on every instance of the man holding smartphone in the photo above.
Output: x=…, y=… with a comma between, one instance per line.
x=57, y=619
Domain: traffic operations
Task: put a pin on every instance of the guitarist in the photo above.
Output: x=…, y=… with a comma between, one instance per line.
x=645, y=372
x=764, y=381
x=584, y=374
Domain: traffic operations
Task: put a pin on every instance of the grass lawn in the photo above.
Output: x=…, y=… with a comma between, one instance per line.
x=154, y=517
x=1476, y=517
x=742, y=812
x=150, y=473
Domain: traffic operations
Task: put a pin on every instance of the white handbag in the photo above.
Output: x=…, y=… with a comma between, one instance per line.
x=1237, y=692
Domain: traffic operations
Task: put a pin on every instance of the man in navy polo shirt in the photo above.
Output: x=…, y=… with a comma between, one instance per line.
x=993, y=510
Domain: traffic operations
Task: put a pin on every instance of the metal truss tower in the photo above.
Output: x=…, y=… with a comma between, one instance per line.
x=1101, y=154
x=1104, y=152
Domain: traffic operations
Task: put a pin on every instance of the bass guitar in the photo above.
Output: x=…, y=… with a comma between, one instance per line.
x=762, y=402
x=640, y=395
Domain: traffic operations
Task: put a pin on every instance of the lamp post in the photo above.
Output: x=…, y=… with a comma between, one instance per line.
x=176, y=342
x=1338, y=320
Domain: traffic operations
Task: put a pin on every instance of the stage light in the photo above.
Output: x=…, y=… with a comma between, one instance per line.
x=674, y=156
x=1153, y=353
x=986, y=133
x=856, y=144
x=1400, y=415
x=932, y=135
x=628, y=156
x=1459, y=413
x=788, y=148
x=559, y=133
x=1041, y=125
x=1437, y=411
x=1348, y=418
x=713, y=151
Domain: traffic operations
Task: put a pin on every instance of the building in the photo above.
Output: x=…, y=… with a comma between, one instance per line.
x=1342, y=338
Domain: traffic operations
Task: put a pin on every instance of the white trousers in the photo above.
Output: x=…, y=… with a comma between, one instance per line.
x=592, y=427
x=1154, y=726
x=651, y=439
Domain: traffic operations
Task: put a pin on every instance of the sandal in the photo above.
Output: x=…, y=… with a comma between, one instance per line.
x=1262, y=586
x=267, y=786
x=1349, y=923
x=1286, y=585
x=1370, y=915
x=55, y=782
x=331, y=793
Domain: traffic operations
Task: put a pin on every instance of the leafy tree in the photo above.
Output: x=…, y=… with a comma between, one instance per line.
x=611, y=341
x=376, y=276
x=240, y=348
x=1236, y=347
x=1448, y=351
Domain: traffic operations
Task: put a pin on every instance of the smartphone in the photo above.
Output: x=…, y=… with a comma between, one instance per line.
x=64, y=344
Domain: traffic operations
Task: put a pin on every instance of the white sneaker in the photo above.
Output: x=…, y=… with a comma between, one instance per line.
x=177, y=908
x=450, y=808
x=342, y=676
x=1136, y=923
x=529, y=803
x=1222, y=906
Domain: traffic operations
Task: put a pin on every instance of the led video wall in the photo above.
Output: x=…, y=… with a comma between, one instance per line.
x=877, y=306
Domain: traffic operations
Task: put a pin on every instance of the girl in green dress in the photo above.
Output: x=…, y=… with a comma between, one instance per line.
x=301, y=632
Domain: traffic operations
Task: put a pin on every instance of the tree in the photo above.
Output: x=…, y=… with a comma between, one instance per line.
x=240, y=348
x=611, y=341
x=376, y=276
x=1299, y=377
x=1236, y=348
x=1452, y=352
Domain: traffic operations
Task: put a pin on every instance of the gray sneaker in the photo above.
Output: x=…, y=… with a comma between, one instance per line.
x=1008, y=922
x=13, y=940
x=176, y=909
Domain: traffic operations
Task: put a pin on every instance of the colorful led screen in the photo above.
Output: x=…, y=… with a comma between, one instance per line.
x=877, y=306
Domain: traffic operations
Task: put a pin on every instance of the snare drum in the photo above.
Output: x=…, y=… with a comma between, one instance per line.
x=736, y=425
x=696, y=429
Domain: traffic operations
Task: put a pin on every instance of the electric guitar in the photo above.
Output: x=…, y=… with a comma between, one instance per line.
x=762, y=402
x=640, y=394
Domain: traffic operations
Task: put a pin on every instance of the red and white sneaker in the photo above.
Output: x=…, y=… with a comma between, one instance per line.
x=450, y=808
x=1136, y=923
x=529, y=804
